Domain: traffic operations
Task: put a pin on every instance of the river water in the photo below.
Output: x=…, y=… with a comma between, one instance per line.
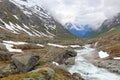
x=87, y=70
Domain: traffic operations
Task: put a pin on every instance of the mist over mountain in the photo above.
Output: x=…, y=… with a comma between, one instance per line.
x=82, y=11
x=82, y=31
x=30, y=18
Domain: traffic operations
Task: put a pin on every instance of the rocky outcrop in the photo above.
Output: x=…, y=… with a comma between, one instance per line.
x=77, y=76
x=70, y=53
x=24, y=62
x=21, y=18
x=5, y=56
x=70, y=61
x=3, y=47
x=68, y=57
x=5, y=68
x=46, y=74
x=111, y=65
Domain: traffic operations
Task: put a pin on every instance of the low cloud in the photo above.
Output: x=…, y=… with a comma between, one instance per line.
x=92, y=12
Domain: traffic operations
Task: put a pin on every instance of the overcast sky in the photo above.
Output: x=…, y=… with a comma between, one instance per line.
x=82, y=12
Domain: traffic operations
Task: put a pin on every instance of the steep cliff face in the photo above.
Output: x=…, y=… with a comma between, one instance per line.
x=29, y=18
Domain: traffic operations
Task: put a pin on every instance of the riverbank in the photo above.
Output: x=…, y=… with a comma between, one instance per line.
x=112, y=65
x=87, y=69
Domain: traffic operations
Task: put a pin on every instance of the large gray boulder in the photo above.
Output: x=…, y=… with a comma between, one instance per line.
x=24, y=62
x=70, y=53
x=66, y=56
x=70, y=61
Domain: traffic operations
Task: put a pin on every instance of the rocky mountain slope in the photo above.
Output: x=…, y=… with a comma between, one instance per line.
x=109, y=25
x=28, y=18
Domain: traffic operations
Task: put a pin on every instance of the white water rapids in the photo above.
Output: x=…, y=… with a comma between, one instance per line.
x=87, y=70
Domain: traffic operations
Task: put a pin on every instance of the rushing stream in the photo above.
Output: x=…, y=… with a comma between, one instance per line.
x=88, y=71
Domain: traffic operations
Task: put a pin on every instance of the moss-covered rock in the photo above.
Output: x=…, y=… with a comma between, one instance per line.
x=25, y=62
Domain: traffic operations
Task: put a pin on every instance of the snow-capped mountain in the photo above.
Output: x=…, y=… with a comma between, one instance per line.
x=30, y=18
x=80, y=30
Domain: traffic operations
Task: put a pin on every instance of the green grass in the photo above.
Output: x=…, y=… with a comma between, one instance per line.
x=116, y=30
x=104, y=34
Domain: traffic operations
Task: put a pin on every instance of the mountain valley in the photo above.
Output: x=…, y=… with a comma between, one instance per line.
x=34, y=45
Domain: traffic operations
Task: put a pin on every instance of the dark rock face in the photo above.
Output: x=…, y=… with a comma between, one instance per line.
x=67, y=56
x=24, y=62
x=1, y=76
x=69, y=53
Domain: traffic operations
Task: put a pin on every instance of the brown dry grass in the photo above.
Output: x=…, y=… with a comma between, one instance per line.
x=2, y=63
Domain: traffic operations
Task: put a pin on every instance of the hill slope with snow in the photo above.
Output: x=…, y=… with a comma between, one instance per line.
x=29, y=18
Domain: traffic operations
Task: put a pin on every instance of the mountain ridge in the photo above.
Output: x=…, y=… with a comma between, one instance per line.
x=32, y=21
x=83, y=31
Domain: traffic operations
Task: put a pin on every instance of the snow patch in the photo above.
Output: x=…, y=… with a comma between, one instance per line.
x=13, y=42
x=116, y=57
x=10, y=49
x=55, y=63
x=15, y=16
x=40, y=45
x=10, y=44
x=103, y=54
x=75, y=46
x=56, y=45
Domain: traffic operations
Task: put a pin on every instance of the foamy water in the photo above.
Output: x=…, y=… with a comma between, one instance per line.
x=88, y=71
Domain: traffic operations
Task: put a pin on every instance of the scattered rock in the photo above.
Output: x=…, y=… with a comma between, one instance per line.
x=24, y=62
x=4, y=56
x=3, y=47
x=77, y=76
x=5, y=68
x=1, y=41
x=2, y=75
x=63, y=67
x=111, y=65
x=70, y=61
x=48, y=72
